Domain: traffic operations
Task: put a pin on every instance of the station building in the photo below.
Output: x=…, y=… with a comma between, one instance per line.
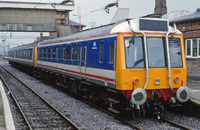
x=189, y=24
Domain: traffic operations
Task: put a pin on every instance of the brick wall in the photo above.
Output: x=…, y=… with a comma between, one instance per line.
x=190, y=29
x=193, y=69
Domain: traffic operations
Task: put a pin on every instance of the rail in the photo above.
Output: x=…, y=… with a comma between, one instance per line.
x=52, y=107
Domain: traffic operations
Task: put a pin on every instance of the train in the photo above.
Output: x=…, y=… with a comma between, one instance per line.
x=135, y=65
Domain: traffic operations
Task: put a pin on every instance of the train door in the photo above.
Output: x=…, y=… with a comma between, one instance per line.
x=84, y=63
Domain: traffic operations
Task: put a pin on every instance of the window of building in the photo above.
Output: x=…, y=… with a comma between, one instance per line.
x=111, y=53
x=199, y=47
x=192, y=48
x=101, y=51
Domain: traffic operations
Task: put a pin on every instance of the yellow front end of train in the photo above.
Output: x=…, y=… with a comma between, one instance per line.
x=127, y=77
x=131, y=72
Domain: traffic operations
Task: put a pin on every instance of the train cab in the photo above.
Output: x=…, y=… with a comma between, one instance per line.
x=151, y=65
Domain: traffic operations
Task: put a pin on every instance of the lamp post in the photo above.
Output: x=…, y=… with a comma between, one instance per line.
x=79, y=20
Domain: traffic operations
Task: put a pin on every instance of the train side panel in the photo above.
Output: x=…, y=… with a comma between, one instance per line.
x=89, y=60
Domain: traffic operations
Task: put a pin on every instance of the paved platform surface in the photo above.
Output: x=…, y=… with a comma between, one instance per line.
x=194, y=87
x=6, y=120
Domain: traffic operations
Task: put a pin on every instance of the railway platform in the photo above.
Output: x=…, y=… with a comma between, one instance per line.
x=194, y=87
x=6, y=120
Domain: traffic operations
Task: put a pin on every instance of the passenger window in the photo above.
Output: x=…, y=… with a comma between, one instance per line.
x=84, y=53
x=40, y=53
x=72, y=53
x=112, y=53
x=79, y=52
x=101, y=51
x=54, y=52
x=75, y=52
x=68, y=53
x=49, y=50
x=61, y=52
x=44, y=52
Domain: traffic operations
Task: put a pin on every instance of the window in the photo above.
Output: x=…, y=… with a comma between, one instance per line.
x=134, y=52
x=111, y=53
x=63, y=53
x=84, y=53
x=199, y=46
x=72, y=53
x=101, y=51
x=54, y=52
x=40, y=53
x=75, y=52
x=192, y=48
x=188, y=46
x=57, y=53
x=44, y=52
x=175, y=53
x=156, y=52
x=68, y=53
x=49, y=53
x=79, y=52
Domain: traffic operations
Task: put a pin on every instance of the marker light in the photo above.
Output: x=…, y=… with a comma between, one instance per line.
x=136, y=81
x=176, y=80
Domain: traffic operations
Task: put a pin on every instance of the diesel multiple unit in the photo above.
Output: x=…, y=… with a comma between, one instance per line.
x=129, y=65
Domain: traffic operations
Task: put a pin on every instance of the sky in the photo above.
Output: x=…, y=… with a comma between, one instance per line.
x=96, y=14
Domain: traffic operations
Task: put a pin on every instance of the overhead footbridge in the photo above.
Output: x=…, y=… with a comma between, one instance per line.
x=35, y=17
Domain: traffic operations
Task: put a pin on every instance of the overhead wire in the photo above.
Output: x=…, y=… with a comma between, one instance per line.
x=100, y=9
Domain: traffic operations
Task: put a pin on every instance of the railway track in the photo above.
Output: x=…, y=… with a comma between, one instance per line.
x=190, y=109
x=130, y=123
x=134, y=126
x=36, y=111
x=182, y=127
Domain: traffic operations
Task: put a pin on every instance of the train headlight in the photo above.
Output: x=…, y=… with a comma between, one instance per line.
x=139, y=96
x=176, y=80
x=183, y=94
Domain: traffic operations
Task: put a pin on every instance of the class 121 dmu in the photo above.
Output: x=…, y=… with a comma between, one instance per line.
x=131, y=65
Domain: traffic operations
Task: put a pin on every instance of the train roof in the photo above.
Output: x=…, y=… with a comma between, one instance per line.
x=138, y=24
x=105, y=29
x=31, y=45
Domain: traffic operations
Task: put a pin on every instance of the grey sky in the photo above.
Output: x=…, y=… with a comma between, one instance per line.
x=137, y=8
